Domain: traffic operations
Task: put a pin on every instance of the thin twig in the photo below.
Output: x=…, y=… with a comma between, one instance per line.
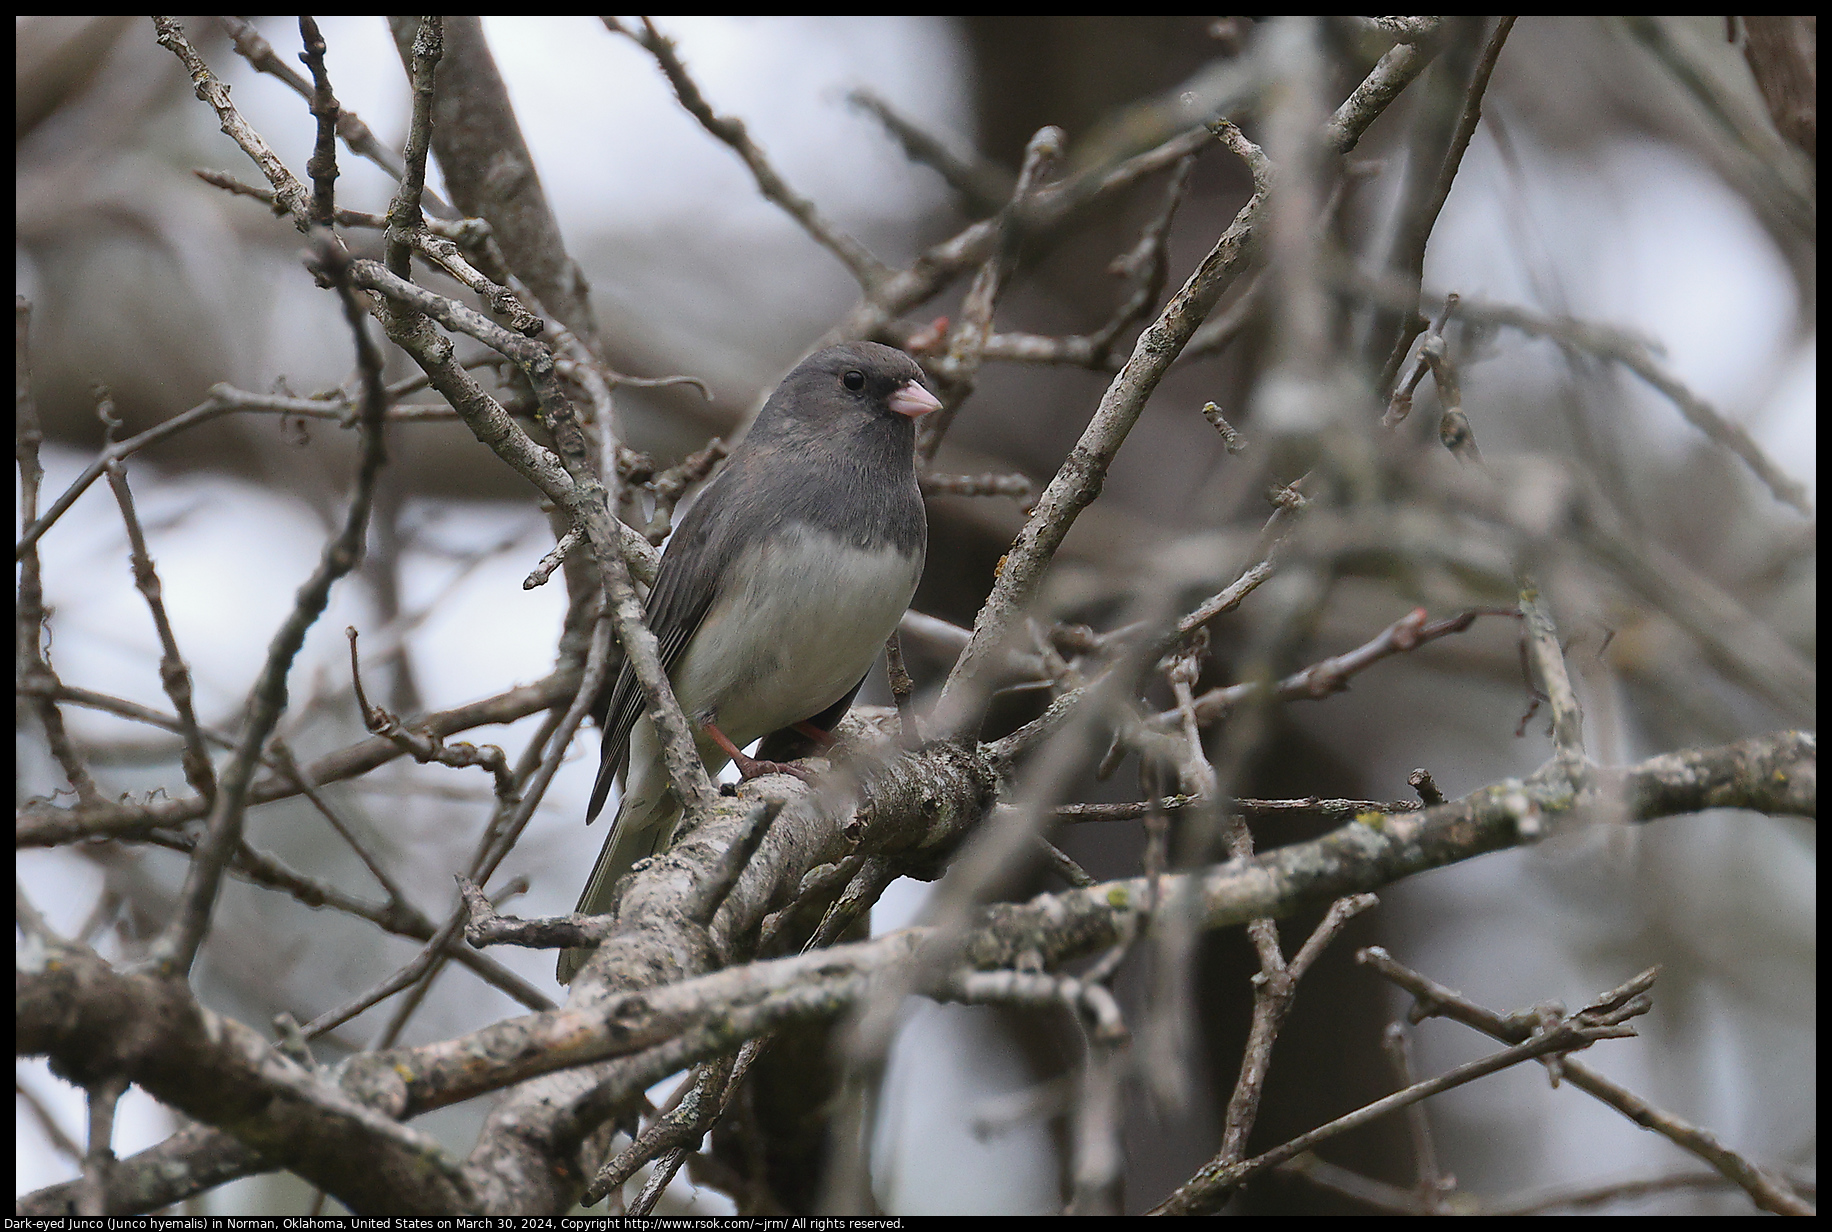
x=869, y=271
x=289, y=193
x=176, y=947
x=104, y=1096
x=1428, y=187
x=1329, y=676
x=39, y=827
x=29, y=643
x=983, y=186
x=1767, y=1190
x=1080, y=478
x=322, y=166
x=1211, y=1186
x=1623, y=347
x=1050, y=209
x=174, y=674
x=261, y=55
x=61, y=1142
x=958, y=369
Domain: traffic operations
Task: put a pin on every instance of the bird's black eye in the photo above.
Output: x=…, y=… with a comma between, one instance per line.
x=853, y=380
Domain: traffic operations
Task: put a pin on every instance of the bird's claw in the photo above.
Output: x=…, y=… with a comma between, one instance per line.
x=750, y=768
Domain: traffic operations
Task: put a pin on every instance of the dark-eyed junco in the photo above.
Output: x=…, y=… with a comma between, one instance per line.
x=777, y=589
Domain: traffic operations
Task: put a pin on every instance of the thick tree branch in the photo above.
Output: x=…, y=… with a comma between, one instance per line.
x=92, y=1021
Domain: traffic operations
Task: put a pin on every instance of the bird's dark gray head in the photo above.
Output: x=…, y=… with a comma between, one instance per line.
x=834, y=448
x=837, y=391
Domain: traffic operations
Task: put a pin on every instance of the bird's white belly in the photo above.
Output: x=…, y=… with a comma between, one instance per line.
x=794, y=629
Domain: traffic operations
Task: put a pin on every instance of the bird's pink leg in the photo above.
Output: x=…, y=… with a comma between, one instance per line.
x=749, y=767
x=824, y=739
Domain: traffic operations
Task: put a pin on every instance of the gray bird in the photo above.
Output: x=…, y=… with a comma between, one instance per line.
x=776, y=591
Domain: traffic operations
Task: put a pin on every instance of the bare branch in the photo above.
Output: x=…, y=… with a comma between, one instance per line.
x=1211, y=1187
x=1770, y=1192
x=869, y=271
x=150, y=1030
x=288, y=191
x=176, y=947
x=1079, y=480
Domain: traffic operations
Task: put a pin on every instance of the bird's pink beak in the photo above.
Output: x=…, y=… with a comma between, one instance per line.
x=913, y=400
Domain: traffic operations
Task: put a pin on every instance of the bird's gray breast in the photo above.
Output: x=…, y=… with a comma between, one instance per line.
x=799, y=618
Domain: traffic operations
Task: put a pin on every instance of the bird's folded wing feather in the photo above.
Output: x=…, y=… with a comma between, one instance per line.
x=686, y=584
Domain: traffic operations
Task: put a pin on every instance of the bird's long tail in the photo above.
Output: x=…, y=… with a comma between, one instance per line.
x=637, y=833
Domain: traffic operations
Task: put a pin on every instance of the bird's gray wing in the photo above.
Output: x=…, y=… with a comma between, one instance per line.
x=686, y=583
